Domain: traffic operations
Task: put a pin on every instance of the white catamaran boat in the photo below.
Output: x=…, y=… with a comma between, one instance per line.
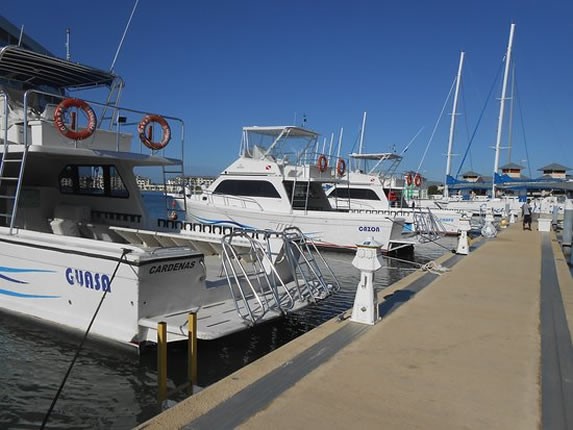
x=277, y=182
x=376, y=190
x=75, y=231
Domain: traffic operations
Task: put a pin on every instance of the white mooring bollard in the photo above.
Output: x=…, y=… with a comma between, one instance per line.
x=365, y=309
x=488, y=230
x=512, y=217
x=463, y=242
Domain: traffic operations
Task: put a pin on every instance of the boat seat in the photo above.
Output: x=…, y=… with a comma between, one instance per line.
x=68, y=220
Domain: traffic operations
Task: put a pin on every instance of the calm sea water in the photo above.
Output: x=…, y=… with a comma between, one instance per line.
x=111, y=387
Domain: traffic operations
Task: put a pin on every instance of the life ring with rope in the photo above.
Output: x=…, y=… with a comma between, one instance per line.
x=417, y=180
x=341, y=167
x=69, y=132
x=322, y=163
x=146, y=140
x=409, y=179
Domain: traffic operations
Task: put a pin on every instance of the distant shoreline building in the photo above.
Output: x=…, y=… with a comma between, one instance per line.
x=194, y=183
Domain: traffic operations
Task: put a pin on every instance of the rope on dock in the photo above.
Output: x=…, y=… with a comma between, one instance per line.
x=435, y=268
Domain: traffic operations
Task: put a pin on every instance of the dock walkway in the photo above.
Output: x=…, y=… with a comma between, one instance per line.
x=484, y=345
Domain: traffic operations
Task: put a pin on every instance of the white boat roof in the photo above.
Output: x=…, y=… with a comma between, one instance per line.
x=134, y=157
x=277, y=130
x=376, y=156
x=33, y=68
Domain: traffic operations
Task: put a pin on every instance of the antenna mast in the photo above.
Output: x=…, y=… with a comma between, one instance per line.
x=68, y=54
x=502, y=107
x=453, y=124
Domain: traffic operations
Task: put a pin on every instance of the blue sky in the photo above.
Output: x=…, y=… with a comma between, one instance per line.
x=221, y=65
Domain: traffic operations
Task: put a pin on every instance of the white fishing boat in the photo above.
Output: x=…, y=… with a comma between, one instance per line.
x=277, y=182
x=375, y=189
x=78, y=246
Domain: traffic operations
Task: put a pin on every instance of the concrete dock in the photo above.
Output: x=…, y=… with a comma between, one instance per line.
x=485, y=345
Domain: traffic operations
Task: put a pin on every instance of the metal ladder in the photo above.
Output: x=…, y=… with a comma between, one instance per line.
x=255, y=284
x=176, y=170
x=11, y=178
x=426, y=226
x=304, y=259
x=254, y=276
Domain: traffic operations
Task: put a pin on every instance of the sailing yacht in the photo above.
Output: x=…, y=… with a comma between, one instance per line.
x=496, y=203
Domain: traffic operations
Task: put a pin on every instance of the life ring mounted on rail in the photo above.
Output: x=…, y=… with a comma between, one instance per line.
x=409, y=179
x=322, y=163
x=70, y=132
x=146, y=140
x=417, y=180
x=341, y=167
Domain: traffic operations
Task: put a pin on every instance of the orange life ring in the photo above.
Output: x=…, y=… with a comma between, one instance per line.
x=322, y=163
x=141, y=129
x=341, y=167
x=409, y=179
x=417, y=180
x=82, y=134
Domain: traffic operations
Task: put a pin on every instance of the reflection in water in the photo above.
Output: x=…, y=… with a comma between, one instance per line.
x=112, y=387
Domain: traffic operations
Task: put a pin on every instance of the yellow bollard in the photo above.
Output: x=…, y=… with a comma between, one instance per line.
x=161, y=362
x=192, y=351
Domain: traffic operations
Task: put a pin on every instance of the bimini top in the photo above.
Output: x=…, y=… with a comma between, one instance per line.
x=380, y=156
x=35, y=69
x=291, y=130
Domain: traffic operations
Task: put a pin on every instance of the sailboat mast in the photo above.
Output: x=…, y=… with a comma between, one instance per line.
x=453, y=124
x=502, y=107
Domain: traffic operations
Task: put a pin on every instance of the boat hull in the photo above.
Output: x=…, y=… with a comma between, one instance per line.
x=65, y=283
x=332, y=230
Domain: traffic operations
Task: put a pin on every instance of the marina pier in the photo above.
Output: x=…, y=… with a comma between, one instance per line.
x=484, y=343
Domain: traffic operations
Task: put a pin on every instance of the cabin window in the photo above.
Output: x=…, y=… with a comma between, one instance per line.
x=354, y=193
x=93, y=180
x=247, y=188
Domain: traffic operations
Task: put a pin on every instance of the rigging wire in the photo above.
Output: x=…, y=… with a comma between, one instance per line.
x=123, y=36
x=80, y=346
x=464, y=103
x=436, y=126
x=480, y=118
x=523, y=128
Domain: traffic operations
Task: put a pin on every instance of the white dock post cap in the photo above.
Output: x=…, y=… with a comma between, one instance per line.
x=366, y=258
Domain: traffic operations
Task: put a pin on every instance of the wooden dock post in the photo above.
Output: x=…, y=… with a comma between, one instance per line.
x=161, y=362
x=192, y=351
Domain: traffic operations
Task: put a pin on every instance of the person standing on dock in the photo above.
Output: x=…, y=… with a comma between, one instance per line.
x=526, y=212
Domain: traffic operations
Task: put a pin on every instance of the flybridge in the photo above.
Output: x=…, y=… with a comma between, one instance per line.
x=22, y=65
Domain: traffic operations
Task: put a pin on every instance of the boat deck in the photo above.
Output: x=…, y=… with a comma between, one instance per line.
x=484, y=345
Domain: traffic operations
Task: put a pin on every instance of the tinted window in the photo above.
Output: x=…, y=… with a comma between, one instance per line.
x=354, y=193
x=247, y=188
x=95, y=180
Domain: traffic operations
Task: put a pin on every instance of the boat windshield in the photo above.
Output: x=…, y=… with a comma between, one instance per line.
x=292, y=144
